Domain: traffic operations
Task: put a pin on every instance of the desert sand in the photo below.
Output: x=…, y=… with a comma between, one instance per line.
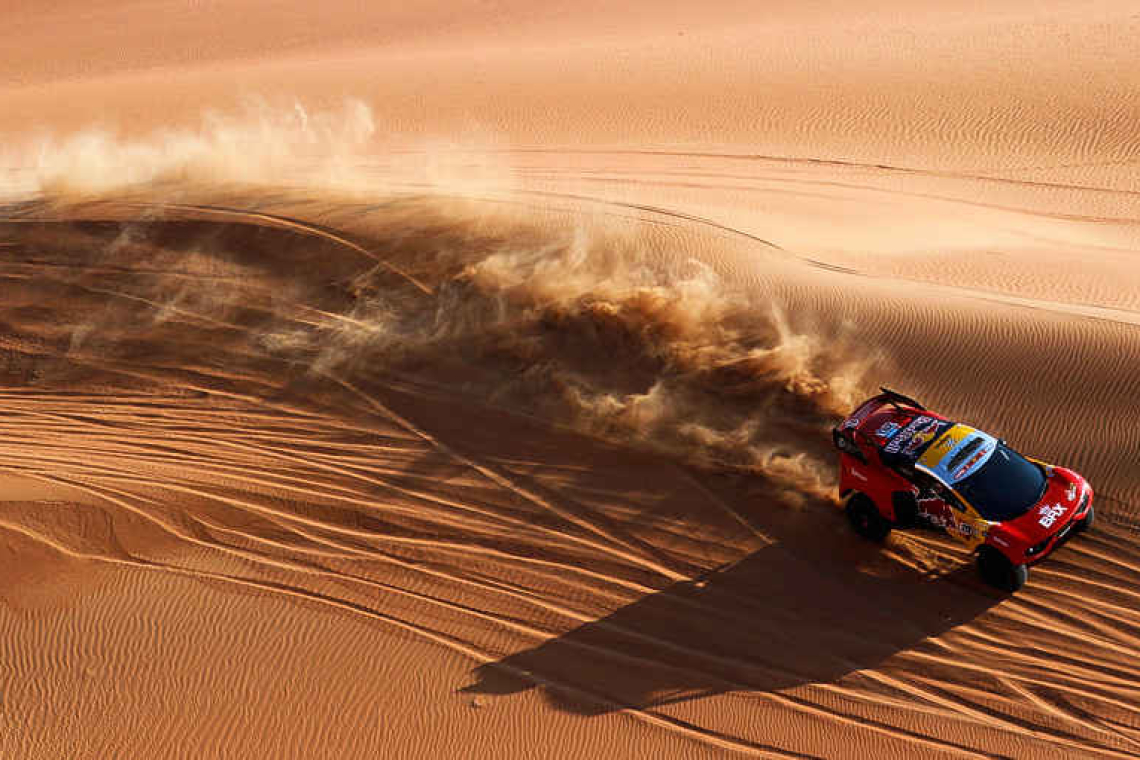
x=456, y=380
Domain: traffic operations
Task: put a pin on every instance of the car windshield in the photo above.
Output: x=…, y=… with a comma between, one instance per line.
x=1005, y=487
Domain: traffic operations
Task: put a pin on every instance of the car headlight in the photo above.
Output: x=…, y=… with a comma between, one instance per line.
x=1037, y=548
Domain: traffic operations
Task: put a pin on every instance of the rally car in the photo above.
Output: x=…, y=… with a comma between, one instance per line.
x=901, y=465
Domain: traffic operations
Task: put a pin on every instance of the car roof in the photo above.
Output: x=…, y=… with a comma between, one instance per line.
x=957, y=454
x=904, y=435
x=908, y=435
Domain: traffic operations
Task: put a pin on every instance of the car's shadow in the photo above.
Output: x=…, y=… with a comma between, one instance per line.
x=813, y=604
x=798, y=611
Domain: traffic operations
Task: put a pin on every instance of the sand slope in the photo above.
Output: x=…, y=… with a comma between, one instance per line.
x=486, y=414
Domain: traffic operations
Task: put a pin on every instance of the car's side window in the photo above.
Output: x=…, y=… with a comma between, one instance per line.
x=932, y=487
x=919, y=478
x=948, y=496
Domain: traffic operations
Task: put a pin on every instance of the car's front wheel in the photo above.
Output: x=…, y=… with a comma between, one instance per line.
x=1087, y=521
x=998, y=571
x=866, y=519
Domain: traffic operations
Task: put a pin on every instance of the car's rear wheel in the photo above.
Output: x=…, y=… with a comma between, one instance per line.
x=1087, y=521
x=906, y=509
x=866, y=519
x=996, y=570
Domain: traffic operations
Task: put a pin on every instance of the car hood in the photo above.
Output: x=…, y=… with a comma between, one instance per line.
x=1063, y=493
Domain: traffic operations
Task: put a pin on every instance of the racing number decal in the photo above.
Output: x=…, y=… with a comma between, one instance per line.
x=961, y=525
x=966, y=531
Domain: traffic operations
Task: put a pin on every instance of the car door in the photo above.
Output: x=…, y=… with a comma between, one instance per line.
x=932, y=506
x=933, y=509
x=962, y=522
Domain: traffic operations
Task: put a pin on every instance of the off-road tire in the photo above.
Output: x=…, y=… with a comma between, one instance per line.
x=906, y=509
x=866, y=519
x=996, y=570
x=1086, y=522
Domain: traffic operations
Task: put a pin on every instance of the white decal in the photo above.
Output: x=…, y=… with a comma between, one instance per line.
x=887, y=429
x=923, y=436
x=1049, y=515
x=920, y=424
x=1071, y=494
x=859, y=416
x=859, y=475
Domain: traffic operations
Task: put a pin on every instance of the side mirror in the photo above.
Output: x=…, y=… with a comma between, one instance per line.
x=846, y=445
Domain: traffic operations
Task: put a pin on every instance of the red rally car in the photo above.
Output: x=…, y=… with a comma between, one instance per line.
x=901, y=464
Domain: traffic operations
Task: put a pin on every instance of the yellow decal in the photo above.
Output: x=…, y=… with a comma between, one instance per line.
x=944, y=445
x=972, y=531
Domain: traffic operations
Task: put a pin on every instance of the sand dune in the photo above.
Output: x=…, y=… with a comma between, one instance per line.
x=466, y=392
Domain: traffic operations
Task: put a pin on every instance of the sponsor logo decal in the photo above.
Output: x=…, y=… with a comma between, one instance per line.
x=887, y=429
x=932, y=509
x=1049, y=514
x=1071, y=494
x=905, y=434
x=946, y=443
x=1001, y=541
x=859, y=416
x=917, y=432
x=930, y=502
x=859, y=475
x=921, y=437
x=961, y=471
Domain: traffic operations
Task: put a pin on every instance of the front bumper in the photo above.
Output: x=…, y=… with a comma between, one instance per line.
x=1061, y=536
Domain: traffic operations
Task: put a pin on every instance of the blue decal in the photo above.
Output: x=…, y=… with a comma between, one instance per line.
x=887, y=429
